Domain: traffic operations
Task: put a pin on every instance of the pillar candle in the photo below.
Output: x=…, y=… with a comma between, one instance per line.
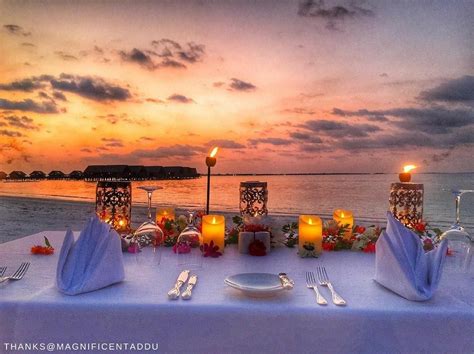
x=245, y=239
x=164, y=213
x=310, y=230
x=213, y=229
x=344, y=217
x=264, y=236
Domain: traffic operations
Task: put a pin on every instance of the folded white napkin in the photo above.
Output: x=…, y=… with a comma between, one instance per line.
x=402, y=265
x=93, y=262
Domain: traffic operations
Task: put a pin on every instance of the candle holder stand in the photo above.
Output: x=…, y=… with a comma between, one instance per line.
x=253, y=198
x=113, y=204
x=406, y=203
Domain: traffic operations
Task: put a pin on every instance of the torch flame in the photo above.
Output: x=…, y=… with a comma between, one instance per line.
x=408, y=168
x=214, y=152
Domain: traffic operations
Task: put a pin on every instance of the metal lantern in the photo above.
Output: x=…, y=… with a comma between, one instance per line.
x=406, y=203
x=113, y=204
x=253, y=198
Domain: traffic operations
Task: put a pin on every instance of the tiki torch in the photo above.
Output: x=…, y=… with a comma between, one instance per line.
x=210, y=162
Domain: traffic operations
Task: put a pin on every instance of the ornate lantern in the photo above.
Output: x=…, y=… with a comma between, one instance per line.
x=113, y=204
x=253, y=198
x=406, y=202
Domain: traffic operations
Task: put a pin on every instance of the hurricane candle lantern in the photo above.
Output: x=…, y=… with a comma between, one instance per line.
x=165, y=213
x=113, y=204
x=253, y=198
x=406, y=199
x=213, y=230
x=344, y=218
x=210, y=162
x=310, y=236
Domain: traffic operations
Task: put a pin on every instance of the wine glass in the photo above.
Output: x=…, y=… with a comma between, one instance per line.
x=187, y=245
x=149, y=233
x=459, y=241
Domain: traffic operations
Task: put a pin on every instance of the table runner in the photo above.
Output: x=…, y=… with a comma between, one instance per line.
x=221, y=320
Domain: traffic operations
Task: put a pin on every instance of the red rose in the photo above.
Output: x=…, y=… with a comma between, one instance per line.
x=370, y=248
x=257, y=248
x=420, y=227
x=328, y=246
x=359, y=229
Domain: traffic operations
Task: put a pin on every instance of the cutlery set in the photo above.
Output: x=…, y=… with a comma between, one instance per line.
x=323, y=280
x=175, y=292
x=20, y=272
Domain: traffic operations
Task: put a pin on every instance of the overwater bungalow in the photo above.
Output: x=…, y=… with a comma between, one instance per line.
x=155, y=172
x=37, y=175
x=179, y=172
x=106, y=172
x=3, y=175
x=17, y=175
x=76, y=175
x=56, y=175
x=137, y=173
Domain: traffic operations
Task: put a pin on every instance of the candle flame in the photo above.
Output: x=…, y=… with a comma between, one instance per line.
x=310, y=221
x=214, y=152
x=214, y=220
x=342, y=214
x=408, y=168
x=121, y=222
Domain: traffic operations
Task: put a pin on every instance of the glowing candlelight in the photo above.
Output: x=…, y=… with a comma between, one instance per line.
x=165, y=213
x=405, y=176
x=310, y=234
x=213, y=229
x=344, y=217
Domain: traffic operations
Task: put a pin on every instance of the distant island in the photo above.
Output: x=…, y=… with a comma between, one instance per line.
x=108, y=173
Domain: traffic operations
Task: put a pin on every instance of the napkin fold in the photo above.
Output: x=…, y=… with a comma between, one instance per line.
x=402, y=265
x=93, y=262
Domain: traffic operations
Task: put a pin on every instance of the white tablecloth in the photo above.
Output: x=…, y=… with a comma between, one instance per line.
x=220, y=319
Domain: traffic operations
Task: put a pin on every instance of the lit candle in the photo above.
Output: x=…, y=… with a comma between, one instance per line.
x=405, y=176
x=164, y=213
x=213, y=229
x=310, y=235
x=344, y=217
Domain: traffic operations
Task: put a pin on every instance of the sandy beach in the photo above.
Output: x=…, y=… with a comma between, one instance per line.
x=20, y=217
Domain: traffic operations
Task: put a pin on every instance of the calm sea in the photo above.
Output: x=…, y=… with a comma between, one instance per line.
x=366, y=195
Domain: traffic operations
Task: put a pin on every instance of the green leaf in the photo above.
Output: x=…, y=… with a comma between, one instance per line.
x=46, y=242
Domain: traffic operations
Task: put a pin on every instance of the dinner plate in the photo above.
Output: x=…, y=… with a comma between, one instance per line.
x=255, y=284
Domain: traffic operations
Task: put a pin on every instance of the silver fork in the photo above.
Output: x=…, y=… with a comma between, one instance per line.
x=20, y=272
x=2, y=271
x=311, y=284
x=324, y=281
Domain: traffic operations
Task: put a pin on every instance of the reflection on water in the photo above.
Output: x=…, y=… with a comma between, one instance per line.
x=366, y=195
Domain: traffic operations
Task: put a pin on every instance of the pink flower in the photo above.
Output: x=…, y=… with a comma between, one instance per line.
x=133, y=248
x=182, y=248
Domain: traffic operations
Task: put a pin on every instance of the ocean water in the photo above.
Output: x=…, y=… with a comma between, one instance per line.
x=366, y=195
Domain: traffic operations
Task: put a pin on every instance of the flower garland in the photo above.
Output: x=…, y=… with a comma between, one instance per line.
x=362, y=238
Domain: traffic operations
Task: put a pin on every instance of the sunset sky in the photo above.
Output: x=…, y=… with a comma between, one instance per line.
x=312, y=86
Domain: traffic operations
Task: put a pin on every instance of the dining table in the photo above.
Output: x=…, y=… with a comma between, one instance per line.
x=221, y=319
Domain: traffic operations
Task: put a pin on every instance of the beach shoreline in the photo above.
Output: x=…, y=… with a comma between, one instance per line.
x=24, y=216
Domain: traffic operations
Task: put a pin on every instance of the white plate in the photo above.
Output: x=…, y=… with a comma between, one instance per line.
x=255, y=284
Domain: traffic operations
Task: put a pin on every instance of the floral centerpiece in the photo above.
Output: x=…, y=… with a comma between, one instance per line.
x=362, y=239
x=252, y=225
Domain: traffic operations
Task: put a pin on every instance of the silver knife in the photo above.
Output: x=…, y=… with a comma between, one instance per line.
x=173, y=294
x=186, y=295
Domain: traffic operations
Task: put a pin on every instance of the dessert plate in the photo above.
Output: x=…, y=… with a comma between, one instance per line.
x=255, y=284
